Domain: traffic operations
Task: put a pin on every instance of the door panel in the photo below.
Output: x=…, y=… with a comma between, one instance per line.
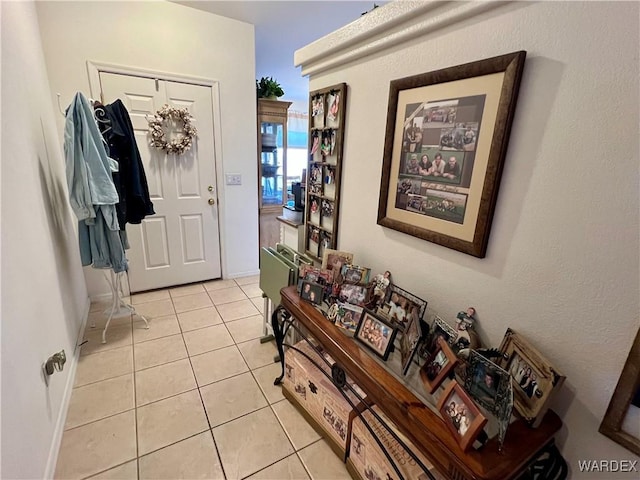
x=155, y=242
x=180, y=244
x=192, y=245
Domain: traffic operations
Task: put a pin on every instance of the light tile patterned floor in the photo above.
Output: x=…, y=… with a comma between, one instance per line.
x=190, y=398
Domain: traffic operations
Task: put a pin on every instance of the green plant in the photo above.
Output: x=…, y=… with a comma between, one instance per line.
x=268, y=87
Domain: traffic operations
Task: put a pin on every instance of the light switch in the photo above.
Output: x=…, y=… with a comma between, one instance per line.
x=233, y=179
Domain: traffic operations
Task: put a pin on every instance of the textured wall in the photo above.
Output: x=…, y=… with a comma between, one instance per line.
x=170, y=38
x=562, y=265
x=44, y=297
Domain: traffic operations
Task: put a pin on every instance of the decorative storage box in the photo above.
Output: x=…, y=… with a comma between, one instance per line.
x=367, y=461
x=320, y=401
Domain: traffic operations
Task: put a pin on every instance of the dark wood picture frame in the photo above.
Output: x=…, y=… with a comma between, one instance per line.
x=440, y=328
x=453, y=392
x=362, y=333
x=627, y=388
x=432, y=382
x=326, y=128
x=410, y=301
x=455, y=212
x=313, y=294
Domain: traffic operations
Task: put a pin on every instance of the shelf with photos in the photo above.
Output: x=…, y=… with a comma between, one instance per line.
x=324, y=169
x=478, y=391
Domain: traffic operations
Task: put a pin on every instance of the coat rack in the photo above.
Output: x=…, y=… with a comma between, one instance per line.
x=119, y=307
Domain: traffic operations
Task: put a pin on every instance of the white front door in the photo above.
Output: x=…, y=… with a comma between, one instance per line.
x=180, y=243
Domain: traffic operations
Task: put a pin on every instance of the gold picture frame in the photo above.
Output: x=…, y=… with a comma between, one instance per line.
x=445, y=145
x=535, y=380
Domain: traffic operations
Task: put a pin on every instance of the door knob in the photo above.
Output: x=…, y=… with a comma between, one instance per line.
x=211, y=201
x=210, y=188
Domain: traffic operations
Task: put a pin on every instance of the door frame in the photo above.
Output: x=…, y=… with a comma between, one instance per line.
x=94, y=68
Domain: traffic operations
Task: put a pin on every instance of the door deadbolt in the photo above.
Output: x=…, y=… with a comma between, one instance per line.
x=211, y=201
x=210, y=188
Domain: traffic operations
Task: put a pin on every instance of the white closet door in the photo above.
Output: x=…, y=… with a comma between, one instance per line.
x=181, y=243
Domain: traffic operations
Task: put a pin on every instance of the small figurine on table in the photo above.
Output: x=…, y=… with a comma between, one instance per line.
x=464, y=320
x=467, y=338
x=381, y=284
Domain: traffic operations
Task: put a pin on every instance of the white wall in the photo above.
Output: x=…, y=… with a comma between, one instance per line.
x=44, y=298
x=172, y=38
x=562, y=265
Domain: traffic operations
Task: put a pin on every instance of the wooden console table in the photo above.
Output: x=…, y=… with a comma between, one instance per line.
x=413, y=418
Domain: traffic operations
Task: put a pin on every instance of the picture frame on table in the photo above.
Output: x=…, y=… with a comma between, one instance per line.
x=312, y=292
x=442, y=329
x=376, y=334
x=333, y=260
x=409, y=343
x=355, y=274
x=354, y=294
x=438, y=366
x=348, y=317
x=535, y=379
x=445, y=146
x=461, y=416
x=402, y=306
x=488, y=384
x=314, y=274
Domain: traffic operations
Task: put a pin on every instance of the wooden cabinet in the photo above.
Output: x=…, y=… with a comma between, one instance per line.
x=414, y=417
x=272, y=154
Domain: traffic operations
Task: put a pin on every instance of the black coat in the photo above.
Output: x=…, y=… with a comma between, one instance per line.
x=130, y=181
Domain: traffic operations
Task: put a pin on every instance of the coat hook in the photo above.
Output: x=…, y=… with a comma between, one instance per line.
x=60, y=106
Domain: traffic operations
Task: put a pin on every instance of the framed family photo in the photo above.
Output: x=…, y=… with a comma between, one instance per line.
x=314, y=274
x=445, y=145
x=438, y=366
x=535, y=379
x=402, y=307
x=376, y=334
x=461, y=416
x=348, y=317
x=354, y=294
x=439, y=329
x=333, y=260
x=488, y=384
x=312, y=292
x=355, y=274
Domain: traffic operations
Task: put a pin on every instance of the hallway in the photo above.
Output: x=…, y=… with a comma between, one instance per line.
x=192, y=397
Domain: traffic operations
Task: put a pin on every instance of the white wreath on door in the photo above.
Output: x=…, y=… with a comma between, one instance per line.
x=159, y=136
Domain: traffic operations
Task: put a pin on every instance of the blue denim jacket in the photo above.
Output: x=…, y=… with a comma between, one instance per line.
x=92, y=193
x=88, y=167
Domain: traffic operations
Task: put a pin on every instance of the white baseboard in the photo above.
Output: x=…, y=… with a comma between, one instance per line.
x=72, y=362
x=243, y=274
x=101, y=297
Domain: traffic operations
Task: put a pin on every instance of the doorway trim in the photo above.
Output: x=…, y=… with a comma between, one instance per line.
x=94, y=68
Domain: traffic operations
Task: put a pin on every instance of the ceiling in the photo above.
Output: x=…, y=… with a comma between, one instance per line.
x=282, y=27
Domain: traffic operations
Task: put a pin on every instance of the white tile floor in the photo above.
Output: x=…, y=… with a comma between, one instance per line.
x=190, y=398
